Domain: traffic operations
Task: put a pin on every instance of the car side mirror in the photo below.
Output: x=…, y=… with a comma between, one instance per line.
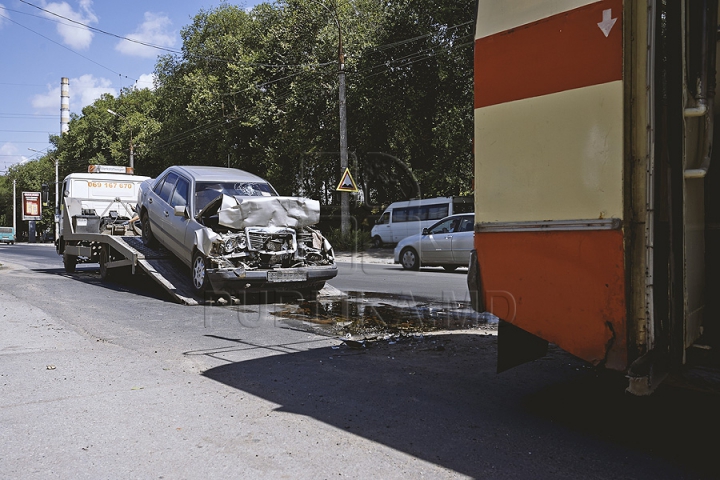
x=181, y=211
x=425, y=231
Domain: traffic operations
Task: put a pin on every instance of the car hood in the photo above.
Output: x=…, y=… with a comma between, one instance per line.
x=271, y=213
x=292, y=212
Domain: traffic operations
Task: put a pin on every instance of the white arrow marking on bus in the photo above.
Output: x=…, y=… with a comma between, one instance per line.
x=607, y=23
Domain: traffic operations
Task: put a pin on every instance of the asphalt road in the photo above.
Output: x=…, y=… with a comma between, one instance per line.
x=111, y=380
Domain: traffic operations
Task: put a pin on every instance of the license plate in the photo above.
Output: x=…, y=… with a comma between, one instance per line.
x=287, y=276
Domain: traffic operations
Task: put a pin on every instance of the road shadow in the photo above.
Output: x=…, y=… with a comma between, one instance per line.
x=439, y=399
x=677, y=424
x=138, y=284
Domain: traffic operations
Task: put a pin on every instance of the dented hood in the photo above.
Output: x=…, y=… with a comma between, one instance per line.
x=293, y=212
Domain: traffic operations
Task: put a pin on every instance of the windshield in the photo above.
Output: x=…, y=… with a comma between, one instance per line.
x=205, y=192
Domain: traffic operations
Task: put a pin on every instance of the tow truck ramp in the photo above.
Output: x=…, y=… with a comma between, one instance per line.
x=159, y=264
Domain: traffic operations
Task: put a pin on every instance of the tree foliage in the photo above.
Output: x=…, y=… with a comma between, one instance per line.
x=258, y=90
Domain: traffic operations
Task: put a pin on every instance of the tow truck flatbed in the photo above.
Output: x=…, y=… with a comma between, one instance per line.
x=96, y=226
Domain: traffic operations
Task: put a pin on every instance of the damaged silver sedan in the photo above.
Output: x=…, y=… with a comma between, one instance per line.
x=234, y=231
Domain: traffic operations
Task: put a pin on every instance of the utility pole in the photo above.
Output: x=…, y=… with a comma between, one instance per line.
x=14, y=203
x=56, y=220
x=344, y=196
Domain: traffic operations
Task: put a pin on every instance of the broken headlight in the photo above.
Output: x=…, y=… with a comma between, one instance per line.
x=230, y=244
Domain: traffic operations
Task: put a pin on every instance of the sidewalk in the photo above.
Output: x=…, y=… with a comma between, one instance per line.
x=372, y=255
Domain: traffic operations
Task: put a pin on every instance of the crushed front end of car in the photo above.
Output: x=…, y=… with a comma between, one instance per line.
x=264, y=243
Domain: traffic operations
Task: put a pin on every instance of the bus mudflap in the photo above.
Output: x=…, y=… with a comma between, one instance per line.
x=516, y=346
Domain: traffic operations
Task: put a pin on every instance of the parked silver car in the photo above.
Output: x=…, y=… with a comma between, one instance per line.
x=446, y=244
x=234, y=231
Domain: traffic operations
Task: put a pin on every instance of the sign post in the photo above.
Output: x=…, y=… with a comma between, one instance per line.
x=347, y=184
x=31, y=211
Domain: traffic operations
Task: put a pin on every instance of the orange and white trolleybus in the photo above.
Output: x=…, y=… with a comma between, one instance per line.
x=597, y=195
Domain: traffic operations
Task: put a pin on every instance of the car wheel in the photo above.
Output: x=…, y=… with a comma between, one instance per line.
x=199, y=272
x=148, y=238
x=70, y=262
x=450, y=268
x=409, y=259
x=377, y=241
x=104, y=260
x=311, y=293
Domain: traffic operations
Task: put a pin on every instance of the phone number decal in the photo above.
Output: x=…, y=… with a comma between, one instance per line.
x=109, y=185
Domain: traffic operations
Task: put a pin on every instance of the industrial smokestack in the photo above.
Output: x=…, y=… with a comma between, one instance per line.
x=64, y=104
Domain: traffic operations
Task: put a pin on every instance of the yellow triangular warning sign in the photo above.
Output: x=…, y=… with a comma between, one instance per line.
x=347, y=184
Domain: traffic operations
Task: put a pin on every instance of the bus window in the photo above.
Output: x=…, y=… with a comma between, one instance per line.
x=400, y=215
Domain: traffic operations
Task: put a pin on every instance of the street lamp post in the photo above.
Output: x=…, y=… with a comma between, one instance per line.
x=132, y=159
x=57, y=195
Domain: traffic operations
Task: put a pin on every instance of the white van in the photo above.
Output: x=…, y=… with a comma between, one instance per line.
x=402, y=219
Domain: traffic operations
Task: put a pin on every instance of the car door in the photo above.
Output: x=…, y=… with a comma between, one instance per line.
x=176, y=226
x=159, y=206
x=382, y=228
x=399, y=223
x=436, y=246
x=463, y=241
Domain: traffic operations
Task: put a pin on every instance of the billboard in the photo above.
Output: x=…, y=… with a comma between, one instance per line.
x=31, y=206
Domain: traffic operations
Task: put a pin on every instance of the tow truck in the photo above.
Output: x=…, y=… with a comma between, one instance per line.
x=98, y=225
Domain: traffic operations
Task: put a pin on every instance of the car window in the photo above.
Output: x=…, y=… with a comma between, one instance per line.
x=467, y=224
x=167, y=186
x=384, y=219
x=443, y=227
x=180, y=195
x=157, y=188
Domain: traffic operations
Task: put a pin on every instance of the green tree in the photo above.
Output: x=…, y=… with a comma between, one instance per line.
x=98, y=137
x=414, y=101
x=258, y=90
x=29, y=177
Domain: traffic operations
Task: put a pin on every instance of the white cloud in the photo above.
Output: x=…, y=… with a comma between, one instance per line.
x=83, y=91
x=9, y=155
x=73, y=35
x=154, y=30
x=4, y=13
x=146, y=80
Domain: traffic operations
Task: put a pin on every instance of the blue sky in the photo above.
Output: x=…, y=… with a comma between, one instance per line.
x=38, y=48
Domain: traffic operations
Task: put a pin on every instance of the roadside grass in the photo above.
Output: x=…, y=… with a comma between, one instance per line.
x=353, y=241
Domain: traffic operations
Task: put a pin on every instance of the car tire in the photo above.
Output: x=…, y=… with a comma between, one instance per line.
x=104, y=260
x=377, y=241
x=69, y=262
x=311, y=293
x=409, y=259
x=198, y=272
x=450, y=268
x=148, y=238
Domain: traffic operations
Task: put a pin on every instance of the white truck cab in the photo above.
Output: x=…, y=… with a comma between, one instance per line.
x=99, y=197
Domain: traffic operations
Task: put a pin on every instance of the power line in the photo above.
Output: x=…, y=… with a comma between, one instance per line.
x=171, y=50
x=25, y=131
x=63, y=46
x=83, y=25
